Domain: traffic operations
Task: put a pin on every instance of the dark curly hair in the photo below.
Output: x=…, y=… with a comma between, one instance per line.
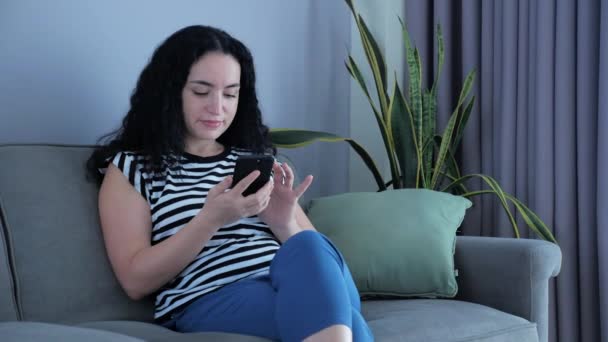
x=155, y=126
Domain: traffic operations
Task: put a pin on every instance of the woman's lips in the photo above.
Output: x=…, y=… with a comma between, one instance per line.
x=212, y=123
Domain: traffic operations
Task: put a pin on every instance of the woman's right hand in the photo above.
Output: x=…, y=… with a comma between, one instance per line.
x=225, y=205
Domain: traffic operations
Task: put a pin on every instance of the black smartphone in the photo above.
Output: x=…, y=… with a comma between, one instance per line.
x=249, y=163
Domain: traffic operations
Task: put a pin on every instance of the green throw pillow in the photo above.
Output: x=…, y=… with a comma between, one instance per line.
x=397, y=242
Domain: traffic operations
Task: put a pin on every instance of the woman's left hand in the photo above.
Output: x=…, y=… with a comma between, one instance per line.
x=280, y=214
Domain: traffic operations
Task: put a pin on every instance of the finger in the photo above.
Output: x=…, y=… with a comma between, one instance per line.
x=299, y=191
x=263, y=192
x=266, y=190
x=261, y=195
x=260, y=206
x=241, y=186
x=256, y=207
x=278, y=172
x=288, y=175
x=222, y=186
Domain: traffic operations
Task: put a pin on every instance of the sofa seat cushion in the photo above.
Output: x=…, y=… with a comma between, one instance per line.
x=155, y=333
x=421, y=320
x=426, y=320
x=36, y=331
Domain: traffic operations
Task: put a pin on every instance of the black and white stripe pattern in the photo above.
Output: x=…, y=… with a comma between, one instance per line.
x=242, y=249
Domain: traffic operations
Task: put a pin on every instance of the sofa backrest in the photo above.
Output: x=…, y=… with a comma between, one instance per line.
x=59, y=263
x=8, y=302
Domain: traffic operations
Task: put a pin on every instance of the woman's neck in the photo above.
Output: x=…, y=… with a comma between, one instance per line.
x=207, y=149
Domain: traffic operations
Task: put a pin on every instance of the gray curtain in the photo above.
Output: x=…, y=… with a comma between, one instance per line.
x=542, y=90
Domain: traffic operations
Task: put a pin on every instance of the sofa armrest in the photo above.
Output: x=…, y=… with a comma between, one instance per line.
x=510, y=275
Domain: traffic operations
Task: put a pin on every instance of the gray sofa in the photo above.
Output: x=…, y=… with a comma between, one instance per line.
x=56, y=283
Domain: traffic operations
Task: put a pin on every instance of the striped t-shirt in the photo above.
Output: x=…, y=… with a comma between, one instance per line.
x=239, y=250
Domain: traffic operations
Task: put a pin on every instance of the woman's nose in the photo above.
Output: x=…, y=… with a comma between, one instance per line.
x=215, y=104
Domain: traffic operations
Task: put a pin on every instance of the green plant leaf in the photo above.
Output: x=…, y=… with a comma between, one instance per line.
x=378, y=66
x=443, y=151
x=452, y=168
x=405, y=142
x=351, y=5
x=459, y=189
x=376, y=62
x=464, y=118
x=354, y=71
x=414, y=66
x=449, y=130
x=294, y=138
x=416, y=97
x=440, y=59
x=532, y=220
x=466, y=87
x=429, y=117
x=496, y=189
x=503, y=200
x=385, y=132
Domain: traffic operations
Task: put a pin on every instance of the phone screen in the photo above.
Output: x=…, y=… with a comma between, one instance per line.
x=247, y=164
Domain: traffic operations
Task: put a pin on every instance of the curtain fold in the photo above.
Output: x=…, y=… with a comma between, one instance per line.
x=600, y=237
x=541, y=109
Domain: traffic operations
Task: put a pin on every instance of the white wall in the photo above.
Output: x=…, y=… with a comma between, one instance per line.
x=67, y=67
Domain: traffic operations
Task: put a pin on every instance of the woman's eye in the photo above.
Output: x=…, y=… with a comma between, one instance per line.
x=200, y=93
x=230, y=95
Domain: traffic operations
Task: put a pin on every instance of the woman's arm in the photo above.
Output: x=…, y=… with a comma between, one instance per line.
x=126, y=223
x=303, y=220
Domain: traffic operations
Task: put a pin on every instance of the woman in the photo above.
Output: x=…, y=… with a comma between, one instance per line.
x=175, y=226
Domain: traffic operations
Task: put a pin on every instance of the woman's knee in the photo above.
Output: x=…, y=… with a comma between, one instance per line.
x=305, y=237
x=307, y=250
x=310, y=244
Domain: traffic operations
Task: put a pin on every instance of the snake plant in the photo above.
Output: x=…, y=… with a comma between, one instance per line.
x=419, y=156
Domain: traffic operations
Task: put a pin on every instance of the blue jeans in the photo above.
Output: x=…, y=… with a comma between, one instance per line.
x=309, y=288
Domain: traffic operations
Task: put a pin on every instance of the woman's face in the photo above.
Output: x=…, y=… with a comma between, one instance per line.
x=210, y=97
